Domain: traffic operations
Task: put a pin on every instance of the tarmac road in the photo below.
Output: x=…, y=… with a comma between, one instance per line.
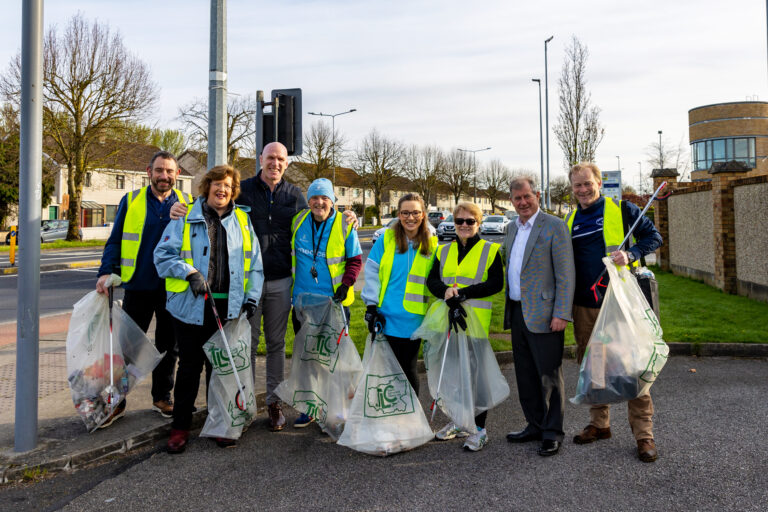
x=710, y=429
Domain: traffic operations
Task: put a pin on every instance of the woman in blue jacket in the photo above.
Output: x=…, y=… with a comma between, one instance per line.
x=395, y=291
x=216, y=249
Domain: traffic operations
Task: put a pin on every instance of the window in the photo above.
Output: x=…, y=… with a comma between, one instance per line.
x=87, y=179
x=708, y=152
x=120, y=182
x=111, y=213
x=144, y=182
x=357, y=192
x=343, y=191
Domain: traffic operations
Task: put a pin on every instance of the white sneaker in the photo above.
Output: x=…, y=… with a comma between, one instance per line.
x=476, y=441
x=450, y=431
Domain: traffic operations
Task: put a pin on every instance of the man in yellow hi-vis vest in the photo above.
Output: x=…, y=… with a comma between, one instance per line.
x=140, y=220
x=597, y=231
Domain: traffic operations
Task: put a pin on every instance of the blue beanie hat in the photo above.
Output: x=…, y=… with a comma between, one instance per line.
x=321, y=187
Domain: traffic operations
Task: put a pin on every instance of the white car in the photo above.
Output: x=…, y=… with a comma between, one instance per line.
x=494, y=225
x=446, y=230
x=380, y=231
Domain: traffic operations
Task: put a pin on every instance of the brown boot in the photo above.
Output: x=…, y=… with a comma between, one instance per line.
x=646, y=450
x=591, y=433
x=276, y=418
x=177, y=443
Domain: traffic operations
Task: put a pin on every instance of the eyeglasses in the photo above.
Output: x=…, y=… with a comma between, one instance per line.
x=460, y=220
x=415, y=214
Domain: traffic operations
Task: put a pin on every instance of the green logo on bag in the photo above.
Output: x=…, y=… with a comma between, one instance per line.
x=315, y=406
x=387, y=395
x=320, y=345
x=220, y=359
x=650, y=316
x=241, y=418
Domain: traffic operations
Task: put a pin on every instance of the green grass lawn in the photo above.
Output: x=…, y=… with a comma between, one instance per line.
x=691, y=311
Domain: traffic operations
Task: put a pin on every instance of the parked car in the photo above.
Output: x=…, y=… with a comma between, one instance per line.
x=380, y=231
x=435, y=218
x=50, y=230
x=446, y=230
x=494, y=225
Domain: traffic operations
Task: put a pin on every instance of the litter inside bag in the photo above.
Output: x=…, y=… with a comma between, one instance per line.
x=625, y=352
x=472, y=381
x=230, y=408
x=385, y=416
x=325, y=366
x=88, y=362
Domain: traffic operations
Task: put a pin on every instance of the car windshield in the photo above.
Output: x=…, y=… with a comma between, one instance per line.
x=449, y=218
x=391, y=223
x=494, y=219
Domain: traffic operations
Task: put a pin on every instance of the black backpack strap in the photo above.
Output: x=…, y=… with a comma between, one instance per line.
x=625, y=221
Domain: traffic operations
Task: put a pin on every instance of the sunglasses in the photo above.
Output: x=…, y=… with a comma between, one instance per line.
x=459, y=221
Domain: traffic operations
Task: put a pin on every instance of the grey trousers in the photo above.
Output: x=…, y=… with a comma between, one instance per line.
x=274, y=306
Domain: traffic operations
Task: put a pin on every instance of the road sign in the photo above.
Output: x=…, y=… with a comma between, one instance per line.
x=611, y=185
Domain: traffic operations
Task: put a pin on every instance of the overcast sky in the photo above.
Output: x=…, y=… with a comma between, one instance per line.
x=451, y=73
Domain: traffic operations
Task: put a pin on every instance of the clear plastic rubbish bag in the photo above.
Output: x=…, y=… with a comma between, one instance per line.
x=325, y=366
x=88, y=362
x=625, y=352
x=385, y=416
x=472, y=381
x=230, y=409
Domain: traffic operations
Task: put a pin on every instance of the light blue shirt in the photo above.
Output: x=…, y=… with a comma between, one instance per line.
x=398, y=322
x=515, y=264
x=308, y=256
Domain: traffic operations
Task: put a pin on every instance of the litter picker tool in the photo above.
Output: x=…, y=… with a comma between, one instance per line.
x=240, y=397
x=110, y=394
x=346, y=325
x=599, y=282
x=440, y=378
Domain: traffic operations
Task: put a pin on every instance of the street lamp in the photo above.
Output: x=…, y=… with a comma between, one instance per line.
x=640, y=177
x=541, y=134
x=661, y=153
x=333, y=134
x=618, y=160
x=474, y=167
x=546, y=103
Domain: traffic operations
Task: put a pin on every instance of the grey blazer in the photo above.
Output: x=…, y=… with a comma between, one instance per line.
x=548, y=275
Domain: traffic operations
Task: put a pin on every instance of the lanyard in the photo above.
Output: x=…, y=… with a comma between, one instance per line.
x=316, y=248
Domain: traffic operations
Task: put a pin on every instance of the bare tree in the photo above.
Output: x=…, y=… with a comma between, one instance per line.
x=425, y=167
x=458, y=173
x=90, y=82
x=560, y=188
x=380, y=160
x=578, y=130
x=240, y=128
x=319, y=144
x=495, y=179
x=662, y=154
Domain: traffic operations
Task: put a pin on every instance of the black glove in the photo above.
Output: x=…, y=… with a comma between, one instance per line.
x=456, y=300
x=250, y=308
x=456, y=318
x=197, y=283
x=373, y=317
x=341, y=293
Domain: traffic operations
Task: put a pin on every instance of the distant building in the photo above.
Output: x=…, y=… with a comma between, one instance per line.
x=726, y=132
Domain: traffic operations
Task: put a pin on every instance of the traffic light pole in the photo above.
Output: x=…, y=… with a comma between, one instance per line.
x=217, y=86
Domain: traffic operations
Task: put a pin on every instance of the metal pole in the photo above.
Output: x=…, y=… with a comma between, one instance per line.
x=217, y=86
x=661, y=153
x=541, y=133
x=259, y=126
x=333, y=148
x=30, y=184
x=618, y=160
x=474, y=177
x=639, y=178
x=546, y=103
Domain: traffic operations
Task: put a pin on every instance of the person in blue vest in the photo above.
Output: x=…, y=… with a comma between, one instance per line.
x=214, y=249
x=597, y=229
x=326, y=255
x=140, y=220
x=395, y=290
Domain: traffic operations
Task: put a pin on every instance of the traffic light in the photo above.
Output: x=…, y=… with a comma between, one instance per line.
x=283, y=124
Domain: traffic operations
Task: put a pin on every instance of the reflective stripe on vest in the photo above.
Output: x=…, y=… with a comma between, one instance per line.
x=473, y=269
x=335, y=252
x=133, y=227
x=416, y=294
x=175, y=285
x=613, y=226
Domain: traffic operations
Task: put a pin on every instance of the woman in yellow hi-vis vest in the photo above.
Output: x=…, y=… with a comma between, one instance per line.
x=214, y=249
x=466, y=273
x=395, y=291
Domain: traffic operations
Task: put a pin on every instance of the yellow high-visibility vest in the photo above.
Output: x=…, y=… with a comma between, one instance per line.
x=416, y=292
x=335, y=253
x=473, y=269
x=613, y=226
x=175, y=285
x=133, y=227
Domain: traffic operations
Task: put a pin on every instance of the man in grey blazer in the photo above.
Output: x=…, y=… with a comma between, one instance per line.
x=540, y=286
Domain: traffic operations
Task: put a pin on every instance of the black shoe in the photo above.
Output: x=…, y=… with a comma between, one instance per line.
x=524, y=436
x=549, y=447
